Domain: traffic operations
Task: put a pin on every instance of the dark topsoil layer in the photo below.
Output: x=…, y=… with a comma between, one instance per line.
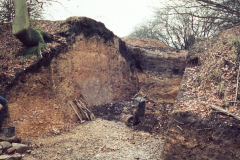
x=156, y=114
x=191, y=137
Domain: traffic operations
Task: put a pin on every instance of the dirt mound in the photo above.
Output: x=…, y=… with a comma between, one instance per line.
x=144, y=42
x=92, y=65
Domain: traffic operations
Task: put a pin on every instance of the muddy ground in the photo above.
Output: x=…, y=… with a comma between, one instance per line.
x=108, y=137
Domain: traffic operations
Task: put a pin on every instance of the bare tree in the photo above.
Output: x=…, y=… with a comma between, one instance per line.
x=35, y=9
x=179, y=22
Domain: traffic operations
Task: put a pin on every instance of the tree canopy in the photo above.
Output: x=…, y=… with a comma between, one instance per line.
x=178, y=23
x=35, y=9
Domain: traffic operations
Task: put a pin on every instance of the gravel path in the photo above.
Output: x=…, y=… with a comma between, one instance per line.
x=100, y=139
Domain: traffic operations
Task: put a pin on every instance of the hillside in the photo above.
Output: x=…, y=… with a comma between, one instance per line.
x=197, y=129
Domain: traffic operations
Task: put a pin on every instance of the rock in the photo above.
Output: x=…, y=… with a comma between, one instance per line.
x=0, y=151
x=11, y=157
x=5, y=145
x=28, y=158
x=29, y=151
x=55, y=131
x=16, y=156
x=20, y=148
x=14, y=139
x=5, y=157
x=10, y=150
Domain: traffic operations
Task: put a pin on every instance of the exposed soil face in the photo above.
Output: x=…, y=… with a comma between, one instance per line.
x=160, y=67
x=93, y=65
x=88, y=62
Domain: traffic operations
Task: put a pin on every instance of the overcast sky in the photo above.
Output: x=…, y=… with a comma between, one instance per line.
x=120, y=16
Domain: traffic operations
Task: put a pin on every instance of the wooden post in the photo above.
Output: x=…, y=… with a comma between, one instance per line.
x=76, y=113
x=237, y=85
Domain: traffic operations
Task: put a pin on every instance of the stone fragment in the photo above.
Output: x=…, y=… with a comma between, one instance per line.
x=10, y=150
x=29, y=151
x=14, y=139
x=5, y=157
x=20, y=148
x=28, y=158
x=16, y=156
x=5, y=145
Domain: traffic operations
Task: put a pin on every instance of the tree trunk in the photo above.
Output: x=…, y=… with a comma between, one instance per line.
x=21, y=27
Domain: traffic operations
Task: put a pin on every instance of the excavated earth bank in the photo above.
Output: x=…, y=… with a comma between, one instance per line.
x=214, y=136
x=100, y=69
x=160, y=67
x=93, y=65
x=189, y=136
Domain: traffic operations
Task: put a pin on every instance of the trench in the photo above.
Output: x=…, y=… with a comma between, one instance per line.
x=39, y=97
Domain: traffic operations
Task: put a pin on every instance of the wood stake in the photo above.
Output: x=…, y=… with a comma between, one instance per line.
x=237, y=85
x=91, y=115
x=76, y=113
x=82, y=109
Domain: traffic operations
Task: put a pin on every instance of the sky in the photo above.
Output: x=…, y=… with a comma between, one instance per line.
x=119, y=16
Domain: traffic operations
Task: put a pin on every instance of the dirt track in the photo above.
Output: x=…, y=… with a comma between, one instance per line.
x=100, y=139
x=108, y=137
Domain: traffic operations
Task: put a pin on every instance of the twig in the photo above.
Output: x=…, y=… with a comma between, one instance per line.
x=177, y=121
x=234, y=101
x=237, y=85
x=76, y=113
x=146, y=94
x=225, y=111
x=203, y=129
x=179, y=127
x=137, y=93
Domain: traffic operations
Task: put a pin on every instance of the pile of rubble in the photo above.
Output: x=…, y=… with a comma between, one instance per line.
x=12, y=149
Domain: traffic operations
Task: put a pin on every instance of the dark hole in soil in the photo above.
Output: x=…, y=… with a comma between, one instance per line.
x=175, y=71
x=194, y=61
x=138, y=65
